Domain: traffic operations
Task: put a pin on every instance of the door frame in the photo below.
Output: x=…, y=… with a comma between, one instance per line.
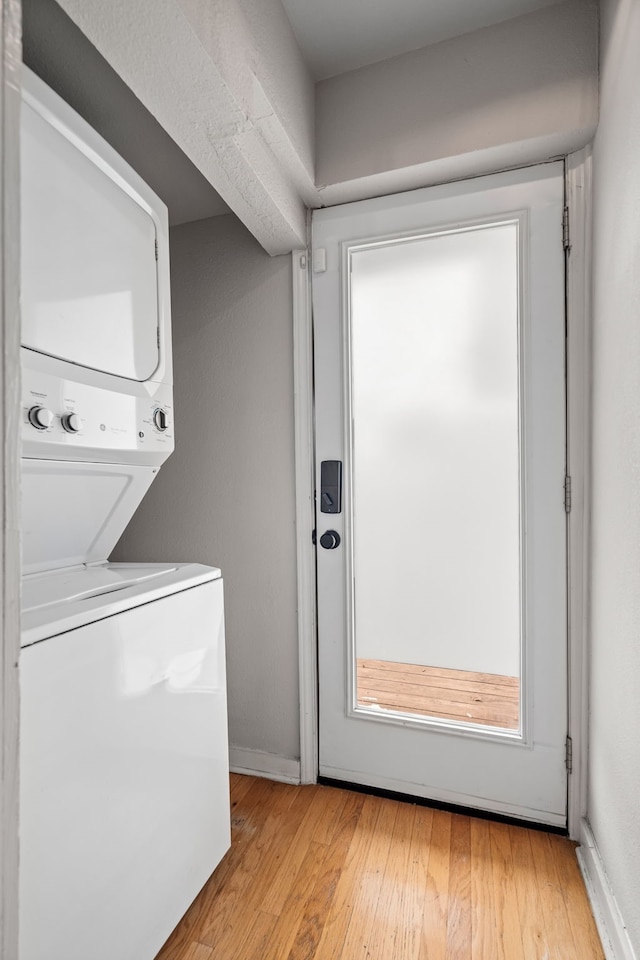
x=10, y=58
x=578, y=197
x=304, y=432
x=578, y=365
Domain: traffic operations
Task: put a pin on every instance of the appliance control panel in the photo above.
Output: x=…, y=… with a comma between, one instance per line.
x=68, y=420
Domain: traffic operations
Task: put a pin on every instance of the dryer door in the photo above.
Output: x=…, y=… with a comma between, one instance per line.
x=89, y=270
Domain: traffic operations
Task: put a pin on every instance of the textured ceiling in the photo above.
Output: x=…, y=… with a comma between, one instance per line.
x=340, y=35
x=58, y=52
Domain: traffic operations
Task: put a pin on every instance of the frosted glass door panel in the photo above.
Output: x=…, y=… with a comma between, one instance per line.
x=89, y=283
x=435, y=453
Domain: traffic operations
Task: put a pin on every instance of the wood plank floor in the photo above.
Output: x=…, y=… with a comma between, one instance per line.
x=318, y=873
x=486, y=698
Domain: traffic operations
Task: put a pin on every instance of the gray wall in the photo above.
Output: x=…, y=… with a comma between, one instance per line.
x=614, y=779
x=516, y=92
x=226, y=496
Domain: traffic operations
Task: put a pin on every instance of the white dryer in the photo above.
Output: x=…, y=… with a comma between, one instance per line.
x=124, y=760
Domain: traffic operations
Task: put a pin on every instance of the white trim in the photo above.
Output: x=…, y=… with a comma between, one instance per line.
x=10, y=53
x=256, y=763
x=305, y=509
x=578, y=198
x=611, y=927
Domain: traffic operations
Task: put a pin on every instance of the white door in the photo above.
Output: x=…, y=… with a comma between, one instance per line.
x=440, y=422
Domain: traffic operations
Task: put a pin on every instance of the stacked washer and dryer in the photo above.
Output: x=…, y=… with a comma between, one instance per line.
x=124, y=758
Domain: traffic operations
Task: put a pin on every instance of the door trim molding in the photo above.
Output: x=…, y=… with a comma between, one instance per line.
x=578, y=279
x=305, y=514
x=10, y=53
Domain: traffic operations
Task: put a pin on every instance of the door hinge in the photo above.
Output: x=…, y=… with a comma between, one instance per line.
x=568, y=756
x=567, y=494
x=566, y=241
x=155, y=247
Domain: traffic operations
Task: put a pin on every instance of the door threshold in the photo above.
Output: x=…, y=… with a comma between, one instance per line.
x=441, y=805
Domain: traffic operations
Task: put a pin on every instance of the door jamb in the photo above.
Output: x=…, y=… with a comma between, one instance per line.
x=578, y=261
x=10, y=59
x=305, y=514
x=578, y=320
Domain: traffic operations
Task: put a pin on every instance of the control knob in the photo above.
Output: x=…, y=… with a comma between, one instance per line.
x=71, y=422
x=40, y=417
x=161, y=420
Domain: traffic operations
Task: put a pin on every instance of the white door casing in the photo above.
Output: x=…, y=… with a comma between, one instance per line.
x=524, y=774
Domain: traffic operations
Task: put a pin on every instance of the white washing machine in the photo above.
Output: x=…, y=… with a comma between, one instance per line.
x=124, y=796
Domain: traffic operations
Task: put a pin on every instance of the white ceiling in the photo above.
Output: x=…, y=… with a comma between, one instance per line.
x=340, y=35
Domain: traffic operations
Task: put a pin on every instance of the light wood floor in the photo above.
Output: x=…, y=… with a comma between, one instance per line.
x=486, y=698
x=317, y=873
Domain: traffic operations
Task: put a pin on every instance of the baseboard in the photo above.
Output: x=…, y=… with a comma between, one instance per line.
x=261, y=764
x=613, y=933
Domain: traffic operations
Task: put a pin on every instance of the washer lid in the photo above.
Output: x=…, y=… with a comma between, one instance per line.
x=73, y=584
x=62, y=600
